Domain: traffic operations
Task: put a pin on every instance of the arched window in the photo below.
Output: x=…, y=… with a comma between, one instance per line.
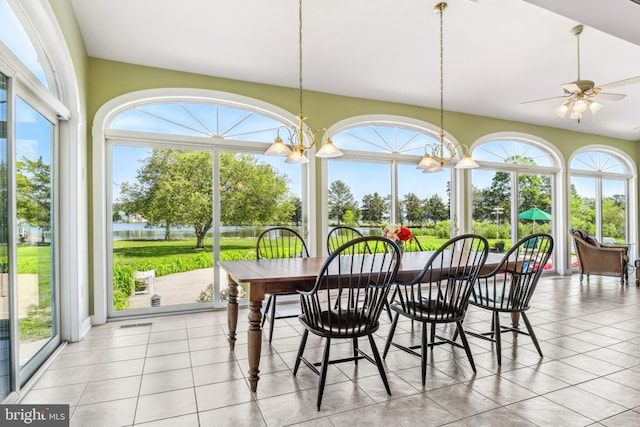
x=514, y=190
x=602, y=189
x=376, y=182
x=187, y=170
x=23, y=42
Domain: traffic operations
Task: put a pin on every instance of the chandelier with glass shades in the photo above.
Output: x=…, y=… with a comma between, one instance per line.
x=437, y=154
x=297, y=135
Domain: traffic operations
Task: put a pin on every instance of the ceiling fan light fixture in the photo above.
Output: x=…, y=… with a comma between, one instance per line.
x=580, y=106
x=576, y=115
x=561, y=110
x=595, y=106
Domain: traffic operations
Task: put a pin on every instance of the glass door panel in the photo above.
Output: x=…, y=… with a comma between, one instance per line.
x=614, y=207
x=5, y=318
x=35, y=288
x=162, y=216
x=534, y=205
x=425, y=204
x=583, y=209
x=359, y=194
x=257, y=192
x=492, y=211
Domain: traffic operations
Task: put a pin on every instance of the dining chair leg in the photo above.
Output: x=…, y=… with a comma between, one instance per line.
x=531, y=333
x=390, y=337
x=272, y=317
x=423, y=353
x=355, y=351
x=376, y=356
x=498, y=335
x=388, y=308
x=303, y=343
x=433, y=332
x=493, y=326
x=266, y=310
x=465, y=344
x=323, y=370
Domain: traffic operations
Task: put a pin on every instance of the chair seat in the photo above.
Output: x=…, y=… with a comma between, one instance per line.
x=500, y=304
x=341, y=325
x=428, y=311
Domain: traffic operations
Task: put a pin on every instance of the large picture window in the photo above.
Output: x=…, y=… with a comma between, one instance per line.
x=191, y=185
x=513, y=191
x=376, y=182
x=600, y=197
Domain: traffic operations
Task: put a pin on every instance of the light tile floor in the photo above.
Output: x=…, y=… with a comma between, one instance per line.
x=178, y=371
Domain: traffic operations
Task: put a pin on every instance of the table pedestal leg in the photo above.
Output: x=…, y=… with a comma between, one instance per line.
x=254, y=341
x=232, y=313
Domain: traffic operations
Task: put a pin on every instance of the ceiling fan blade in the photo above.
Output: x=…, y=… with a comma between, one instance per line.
x=546, y=99
x=571, y=87
x=610, y=96
x=619, y=83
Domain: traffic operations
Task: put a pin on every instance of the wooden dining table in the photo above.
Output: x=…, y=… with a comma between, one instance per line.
x=285, y=276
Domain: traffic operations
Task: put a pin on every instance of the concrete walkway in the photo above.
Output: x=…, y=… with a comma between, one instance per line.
x=178, y=288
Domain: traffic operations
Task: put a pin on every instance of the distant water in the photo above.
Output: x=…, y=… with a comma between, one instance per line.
x=138, y=231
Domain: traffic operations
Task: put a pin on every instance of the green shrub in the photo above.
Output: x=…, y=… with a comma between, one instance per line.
x=122, y=285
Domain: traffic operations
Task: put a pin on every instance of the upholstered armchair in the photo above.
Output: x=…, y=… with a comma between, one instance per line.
x=595, y=258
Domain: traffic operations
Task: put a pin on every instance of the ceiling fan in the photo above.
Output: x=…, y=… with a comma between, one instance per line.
x=580, y=95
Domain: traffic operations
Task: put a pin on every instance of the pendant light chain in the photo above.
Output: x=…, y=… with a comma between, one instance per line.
x=300, y=56
x=578, y=44
x=296, y=149
x=441, y=76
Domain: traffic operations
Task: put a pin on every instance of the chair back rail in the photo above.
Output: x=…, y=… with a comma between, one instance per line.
x=440, y=292
x=510, y=286
x=351, y=289
x=340, y=235
x=281, y=242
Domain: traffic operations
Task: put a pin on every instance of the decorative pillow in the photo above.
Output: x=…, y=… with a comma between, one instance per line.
x=592, y=241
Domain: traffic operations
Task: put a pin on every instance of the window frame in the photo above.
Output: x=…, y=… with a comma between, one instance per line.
x=104, y=137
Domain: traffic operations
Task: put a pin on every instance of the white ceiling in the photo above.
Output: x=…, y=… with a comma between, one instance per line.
x=498, y=53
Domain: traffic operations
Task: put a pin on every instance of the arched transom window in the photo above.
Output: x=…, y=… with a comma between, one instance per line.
x=200, y=120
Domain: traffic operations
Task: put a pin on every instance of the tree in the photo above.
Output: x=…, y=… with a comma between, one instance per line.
x=435, y=209
x=373, y=208
x=33, y=196
x=413, y=208
x=253, y=193
x=297, y=214
x=340, y=200
x=498, y=195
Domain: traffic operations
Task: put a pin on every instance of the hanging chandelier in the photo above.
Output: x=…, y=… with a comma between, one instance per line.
x=437, y=154
x=301, y=137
